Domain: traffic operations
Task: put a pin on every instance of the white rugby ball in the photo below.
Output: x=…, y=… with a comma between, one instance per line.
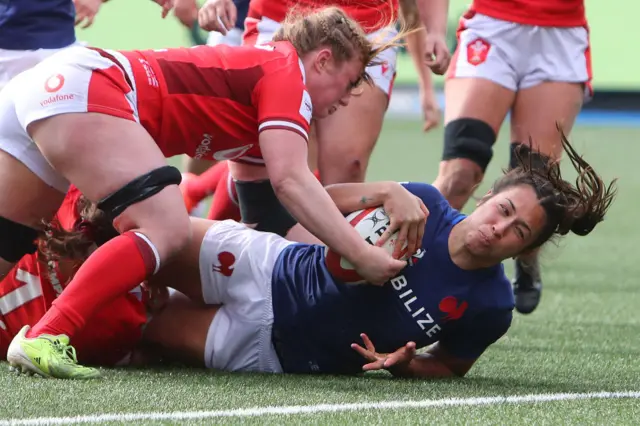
x=370, y=223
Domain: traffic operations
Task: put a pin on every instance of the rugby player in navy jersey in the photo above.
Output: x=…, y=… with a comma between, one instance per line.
x=278, y=309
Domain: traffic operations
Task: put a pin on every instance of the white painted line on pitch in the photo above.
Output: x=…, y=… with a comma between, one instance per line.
x=320, y=408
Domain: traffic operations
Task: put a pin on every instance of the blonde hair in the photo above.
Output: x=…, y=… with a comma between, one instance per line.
x=332, y=28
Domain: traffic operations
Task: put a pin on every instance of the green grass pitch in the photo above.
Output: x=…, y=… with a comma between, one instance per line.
x=582, y=339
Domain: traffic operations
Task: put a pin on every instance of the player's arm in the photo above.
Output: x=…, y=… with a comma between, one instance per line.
x=284, y=113
x=186, y=11
x=350, y=197
x=416, y=46
x=285, y=155
x=436, y=362
x=459, y=348
x=433, y=14
x=452, y=356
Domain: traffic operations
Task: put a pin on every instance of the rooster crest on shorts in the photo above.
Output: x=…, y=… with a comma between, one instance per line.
x=454, y=311
x=477, y=51
x=227, y=260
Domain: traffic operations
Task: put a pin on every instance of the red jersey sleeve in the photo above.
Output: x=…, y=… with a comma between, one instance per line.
x=282, y=100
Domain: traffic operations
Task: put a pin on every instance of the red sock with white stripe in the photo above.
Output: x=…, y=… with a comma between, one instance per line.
x=111, y=271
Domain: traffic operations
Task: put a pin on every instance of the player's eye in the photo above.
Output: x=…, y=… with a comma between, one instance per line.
x=520, y=233
x=504, y=210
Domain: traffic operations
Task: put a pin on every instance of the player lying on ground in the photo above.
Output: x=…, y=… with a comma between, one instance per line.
x=280, y=309
x=112, y=333
x=106, y=120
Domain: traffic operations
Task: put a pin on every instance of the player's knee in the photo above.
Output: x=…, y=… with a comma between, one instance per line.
x=354, y=170
x=470, y=139
x=457, y=180
x=17, y=240
x=167, y=234
x=346, y=168
x=260, y=206
x=521, y=154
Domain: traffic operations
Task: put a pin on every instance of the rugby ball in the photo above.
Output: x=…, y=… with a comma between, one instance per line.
x=371, y=224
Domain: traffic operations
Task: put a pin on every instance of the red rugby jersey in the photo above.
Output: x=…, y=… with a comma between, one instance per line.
x=212, y=102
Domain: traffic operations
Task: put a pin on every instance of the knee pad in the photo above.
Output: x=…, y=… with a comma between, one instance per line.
x=259, y=205
x=526, y=155
x=471, y=139
x=17, y=240
x=139, y=189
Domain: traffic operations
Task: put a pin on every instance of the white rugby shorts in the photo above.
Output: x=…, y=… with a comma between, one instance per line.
x=232, y=38
x=236, y=264
x=62, y=83
x=13, y=62
x=518, y=56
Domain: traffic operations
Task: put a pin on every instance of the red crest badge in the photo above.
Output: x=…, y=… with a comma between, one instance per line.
x=477, y=51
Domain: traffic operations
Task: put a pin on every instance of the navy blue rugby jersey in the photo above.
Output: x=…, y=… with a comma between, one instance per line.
x=317, y=318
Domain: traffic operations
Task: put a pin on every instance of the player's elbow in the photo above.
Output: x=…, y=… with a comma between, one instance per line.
x=286, y=181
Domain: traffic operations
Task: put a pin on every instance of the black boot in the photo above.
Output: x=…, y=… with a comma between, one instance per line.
x=527, y=286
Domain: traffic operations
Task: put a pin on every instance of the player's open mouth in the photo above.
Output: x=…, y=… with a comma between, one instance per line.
x=332, y=110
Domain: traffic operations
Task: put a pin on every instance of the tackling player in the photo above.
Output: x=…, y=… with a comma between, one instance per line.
x=26, y=293
x=106, y=121
x=280, y=310
x=528, y=57
x=225, y=205
x=233, y=13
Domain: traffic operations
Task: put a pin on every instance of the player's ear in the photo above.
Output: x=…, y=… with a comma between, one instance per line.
x=323, y=58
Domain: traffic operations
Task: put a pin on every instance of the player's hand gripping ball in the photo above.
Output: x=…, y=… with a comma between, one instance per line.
x=371, y=224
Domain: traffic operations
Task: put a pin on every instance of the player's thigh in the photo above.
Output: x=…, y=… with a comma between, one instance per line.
x=30, y=190
x=538, y=110
x=179, y=331
x=346, y=138
x=477, y=98
x=236, y=264
x=119, y=152
x=481, y=81
x=24, y=197
x=552, y=91
x=183, y=272
x=258, y=203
